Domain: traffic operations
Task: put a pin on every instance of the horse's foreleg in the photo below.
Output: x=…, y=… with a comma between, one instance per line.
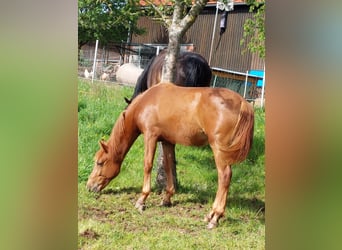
x=169, y=155
x=224, y=177
x=150, y=148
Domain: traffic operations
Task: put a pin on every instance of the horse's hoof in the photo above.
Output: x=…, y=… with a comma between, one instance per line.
x=140, y=207
x=212, y=225
x=166, y=203
x=206, y=218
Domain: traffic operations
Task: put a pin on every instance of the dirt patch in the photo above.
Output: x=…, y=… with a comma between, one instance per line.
x=96, y=214
x=90, y=234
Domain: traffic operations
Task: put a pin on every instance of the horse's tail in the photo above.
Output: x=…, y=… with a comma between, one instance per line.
x=141, y=84
x=243, y=133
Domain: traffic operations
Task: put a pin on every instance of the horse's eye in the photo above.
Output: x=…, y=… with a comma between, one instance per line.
x=99, y=163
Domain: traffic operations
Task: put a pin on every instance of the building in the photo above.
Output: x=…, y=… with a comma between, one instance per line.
x=227, y=53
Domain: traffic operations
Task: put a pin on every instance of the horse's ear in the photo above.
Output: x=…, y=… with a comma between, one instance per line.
x=103, y=145
x=128, y=101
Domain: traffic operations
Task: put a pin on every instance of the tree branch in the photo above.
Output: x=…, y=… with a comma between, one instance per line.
x=163, y=17
x=190, y=18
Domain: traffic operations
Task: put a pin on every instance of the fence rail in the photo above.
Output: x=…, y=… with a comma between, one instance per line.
x=109, y=59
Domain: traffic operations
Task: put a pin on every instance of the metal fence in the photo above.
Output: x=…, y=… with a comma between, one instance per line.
x=250, y=85
x=109, y=58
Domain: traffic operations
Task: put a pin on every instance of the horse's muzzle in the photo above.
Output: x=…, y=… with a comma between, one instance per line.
x=94, y=188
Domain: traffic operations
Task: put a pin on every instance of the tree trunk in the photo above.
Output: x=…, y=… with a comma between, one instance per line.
x=178, y=27
x=175, y=36
x=161, y=175
x=169, y=75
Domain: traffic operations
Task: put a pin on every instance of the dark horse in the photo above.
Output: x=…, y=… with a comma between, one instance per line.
x=192, y=70
x=193, y=117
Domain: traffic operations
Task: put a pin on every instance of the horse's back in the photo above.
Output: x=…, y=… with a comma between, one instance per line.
x=171, y=98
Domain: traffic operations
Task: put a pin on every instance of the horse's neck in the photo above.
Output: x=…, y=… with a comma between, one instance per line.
x=123, y=135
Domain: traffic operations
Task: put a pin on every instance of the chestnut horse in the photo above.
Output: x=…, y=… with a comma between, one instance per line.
x=193, y=116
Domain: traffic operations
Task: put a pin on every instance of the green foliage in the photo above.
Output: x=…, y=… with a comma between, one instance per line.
x=110, y=221
x=106, y=20
x=254, y=28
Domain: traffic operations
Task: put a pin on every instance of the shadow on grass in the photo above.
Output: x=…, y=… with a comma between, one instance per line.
x=202, y=198
x=255, y=208
x=251, y=204
x=127, y=190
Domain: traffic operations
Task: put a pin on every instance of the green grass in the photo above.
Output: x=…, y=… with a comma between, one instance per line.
x=110, y=221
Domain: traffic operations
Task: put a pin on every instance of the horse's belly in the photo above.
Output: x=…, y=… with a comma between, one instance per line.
x=196, y=140
x=187, y=138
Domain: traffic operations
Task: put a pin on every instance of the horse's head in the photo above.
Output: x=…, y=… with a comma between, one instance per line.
x=105, y=169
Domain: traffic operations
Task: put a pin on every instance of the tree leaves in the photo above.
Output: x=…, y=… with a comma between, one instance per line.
x=107, y=20
x=254, y=29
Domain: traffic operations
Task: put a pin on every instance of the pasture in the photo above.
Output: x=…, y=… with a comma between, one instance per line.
x=109, y=220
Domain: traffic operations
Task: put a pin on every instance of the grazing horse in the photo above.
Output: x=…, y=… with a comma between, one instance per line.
x=192, y=70
x=179, y=115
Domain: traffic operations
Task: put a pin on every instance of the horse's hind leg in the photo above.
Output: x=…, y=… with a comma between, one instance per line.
x=150, y=149
x=168, y=154
x=224, y=177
